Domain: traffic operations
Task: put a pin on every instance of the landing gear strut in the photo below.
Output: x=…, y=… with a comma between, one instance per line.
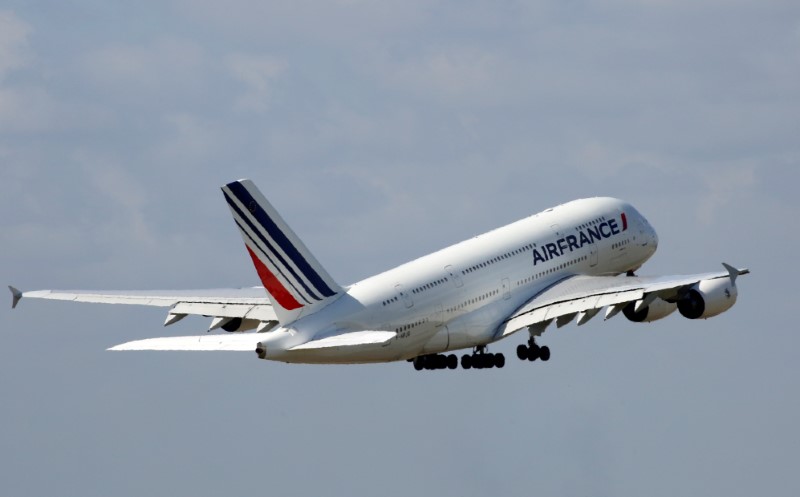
x=532, y=351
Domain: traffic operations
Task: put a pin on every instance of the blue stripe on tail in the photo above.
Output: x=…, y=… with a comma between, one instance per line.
x=257, y=247
x=272, y=250
x=277, y=235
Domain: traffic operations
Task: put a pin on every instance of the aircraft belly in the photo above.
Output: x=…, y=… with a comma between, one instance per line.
x=439, y=342
x=399, y=348
x=478, y=327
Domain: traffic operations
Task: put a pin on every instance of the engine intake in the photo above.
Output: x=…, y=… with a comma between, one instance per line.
x=708, y=299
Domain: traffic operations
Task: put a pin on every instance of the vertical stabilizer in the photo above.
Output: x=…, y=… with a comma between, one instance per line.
x=296, y=282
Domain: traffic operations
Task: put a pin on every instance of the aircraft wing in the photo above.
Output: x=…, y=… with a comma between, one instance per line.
x=223, y=305
x=582, y=297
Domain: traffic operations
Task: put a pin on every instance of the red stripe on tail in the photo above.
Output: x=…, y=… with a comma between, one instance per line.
x=624, y=222
x=272, y=284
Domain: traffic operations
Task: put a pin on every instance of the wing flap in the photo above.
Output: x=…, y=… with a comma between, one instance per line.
x=530, y=314
x=258, y=312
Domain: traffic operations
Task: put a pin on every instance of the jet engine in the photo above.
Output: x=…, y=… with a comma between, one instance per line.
x=658, y=309
x=708, y=299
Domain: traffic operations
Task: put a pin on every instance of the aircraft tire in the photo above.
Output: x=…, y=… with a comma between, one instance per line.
x=544, y=353
x=522, y=352
x=418, y=363
x=533, y=353
x=466, y=361
x=452, y=361
x=499, y=360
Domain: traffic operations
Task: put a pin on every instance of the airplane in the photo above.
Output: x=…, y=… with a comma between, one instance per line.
x=563, y=265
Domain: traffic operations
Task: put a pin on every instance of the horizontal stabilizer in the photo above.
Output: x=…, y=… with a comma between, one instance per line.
x=351, y=339
x=239, y=342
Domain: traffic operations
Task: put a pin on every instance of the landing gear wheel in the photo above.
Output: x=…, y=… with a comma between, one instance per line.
x=544, y=353
x=533, y=352
x=466, y=361
x=499, y=360
x=418, y=363
x=522, y=352
x=452, y=361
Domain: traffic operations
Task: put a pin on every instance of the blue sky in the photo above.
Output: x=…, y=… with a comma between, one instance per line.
x=383, y=131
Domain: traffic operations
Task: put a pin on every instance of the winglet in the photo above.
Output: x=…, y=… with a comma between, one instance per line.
x=735, y=273
x=16, y=295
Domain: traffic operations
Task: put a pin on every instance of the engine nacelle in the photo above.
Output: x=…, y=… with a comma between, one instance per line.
x=239, y=324
x=708, y=299
x=658, y=309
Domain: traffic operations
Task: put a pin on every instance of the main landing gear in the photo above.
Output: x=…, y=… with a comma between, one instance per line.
x=479, y=359
x=532, y=351
x=435, y=361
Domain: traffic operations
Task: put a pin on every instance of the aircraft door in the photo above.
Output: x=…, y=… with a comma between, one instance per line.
x=506, y=289
x=407, y=300
x=593, y=255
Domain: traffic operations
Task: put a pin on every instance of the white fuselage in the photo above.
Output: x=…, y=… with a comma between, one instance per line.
x=457, y=297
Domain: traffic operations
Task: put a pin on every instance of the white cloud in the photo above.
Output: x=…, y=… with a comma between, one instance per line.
x=22, y=107
x=13, y=43
x=725, y=186
x=126, y=195
x=166, y=64
x=257, y=73
x=25, y=109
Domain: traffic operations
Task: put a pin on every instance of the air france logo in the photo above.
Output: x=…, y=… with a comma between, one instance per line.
x=571, y=243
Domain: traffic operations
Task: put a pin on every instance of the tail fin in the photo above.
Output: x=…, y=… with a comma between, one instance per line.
x=296, y=282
